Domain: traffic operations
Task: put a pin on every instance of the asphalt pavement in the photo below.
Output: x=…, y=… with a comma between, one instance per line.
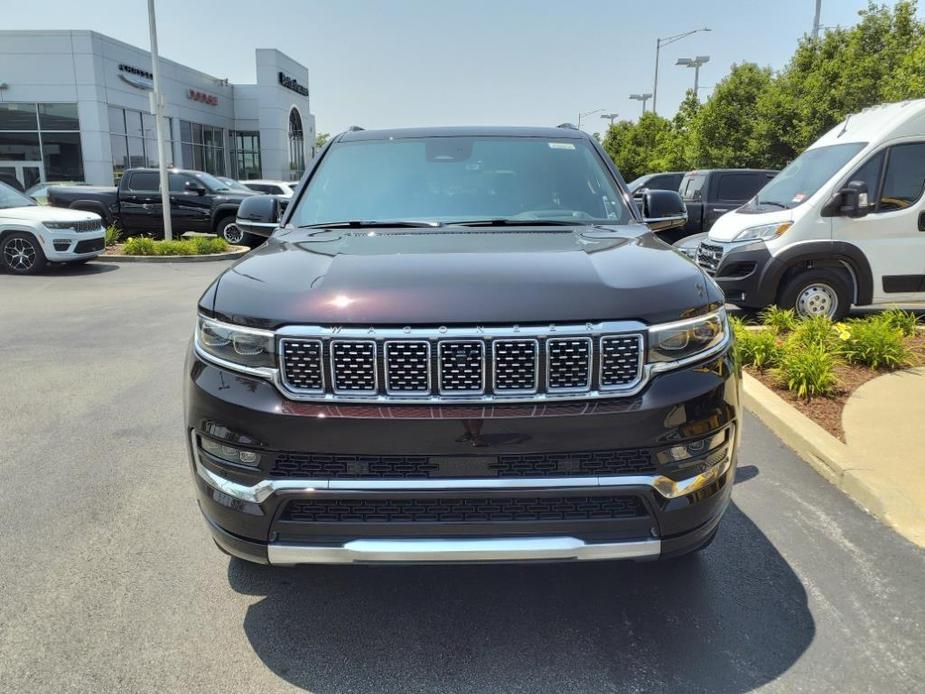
x=109, y=581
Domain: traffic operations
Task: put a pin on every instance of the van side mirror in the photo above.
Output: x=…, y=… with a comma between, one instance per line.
x=662, y=209
x=259, y=214
x=851, y=201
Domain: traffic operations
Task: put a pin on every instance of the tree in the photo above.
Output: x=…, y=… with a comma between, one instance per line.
x=321, y=140
x=634, y=146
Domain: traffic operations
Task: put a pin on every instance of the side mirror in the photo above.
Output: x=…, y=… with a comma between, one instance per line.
x=259, y=214
x=851, y=201
x=662, y=209
x=198, y=188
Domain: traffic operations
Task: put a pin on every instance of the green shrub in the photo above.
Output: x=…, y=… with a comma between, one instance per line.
x=876, y=342
x=808, y=370
x=782, y=320
x=759, y=348
x=904, y=321
x=112, y=235
x=142, y=245
x=817, y=330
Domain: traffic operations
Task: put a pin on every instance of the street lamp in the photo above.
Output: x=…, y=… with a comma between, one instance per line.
x=643, y=98
x=589, y=113
x=695, y=63
x=610, y=116
x=658, y=48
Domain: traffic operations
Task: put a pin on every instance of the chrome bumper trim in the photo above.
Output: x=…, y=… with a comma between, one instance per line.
x=422, y=551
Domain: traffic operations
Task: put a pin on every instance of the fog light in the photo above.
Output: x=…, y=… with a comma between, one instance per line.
x=691, y=449
x=62, y=245
x=692, y=466
x=228, y=453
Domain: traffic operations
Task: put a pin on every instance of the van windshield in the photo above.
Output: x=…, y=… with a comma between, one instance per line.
x=447, y=180
x=802, y=177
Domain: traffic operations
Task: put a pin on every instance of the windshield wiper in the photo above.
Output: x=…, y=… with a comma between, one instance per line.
x=771, y=202
x=507, y=222
x=372, y=224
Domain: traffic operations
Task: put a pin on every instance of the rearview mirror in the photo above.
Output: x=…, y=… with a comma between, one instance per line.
x=662, y=209
x=259, y=215
x=851, y=201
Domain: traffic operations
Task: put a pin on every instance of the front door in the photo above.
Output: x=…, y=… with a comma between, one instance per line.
x=892, y=235
x=22, y=174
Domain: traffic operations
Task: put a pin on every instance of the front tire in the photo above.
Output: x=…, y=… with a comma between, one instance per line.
x=820, y=292
x=21, y=254
x=228, y=229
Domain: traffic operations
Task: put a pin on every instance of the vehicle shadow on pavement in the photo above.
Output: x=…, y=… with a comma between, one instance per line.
x=728, y=620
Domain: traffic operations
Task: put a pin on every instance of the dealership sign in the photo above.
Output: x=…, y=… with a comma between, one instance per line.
x=203, y=97
x=291, y=83
x=135, y=76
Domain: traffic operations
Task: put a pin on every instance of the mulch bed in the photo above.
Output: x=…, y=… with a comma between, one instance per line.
x=827, y=411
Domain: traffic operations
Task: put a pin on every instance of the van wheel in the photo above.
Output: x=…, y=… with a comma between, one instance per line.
x=232, y=233
x=819, y=292
x=22, y=254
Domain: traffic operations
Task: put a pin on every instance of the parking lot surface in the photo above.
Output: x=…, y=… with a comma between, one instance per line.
x=110, y=582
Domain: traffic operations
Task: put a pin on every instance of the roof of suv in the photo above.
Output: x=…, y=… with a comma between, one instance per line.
x=464, y=131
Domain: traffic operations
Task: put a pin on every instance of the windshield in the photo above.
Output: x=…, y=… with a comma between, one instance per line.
x=803, y=176
x=459, y=179
x=10, y=197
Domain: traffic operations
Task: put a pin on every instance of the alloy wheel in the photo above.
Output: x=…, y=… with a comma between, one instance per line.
x=19, y=255
x=233, y=234
x=817, y=299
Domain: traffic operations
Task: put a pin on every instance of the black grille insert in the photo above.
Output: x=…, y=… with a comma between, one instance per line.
x=569, y=363
x=353, y=366
x=407, y=367
x=461, y=366
x=619, y=360
x=302, y=364
x=515, y=365
x=464, y=510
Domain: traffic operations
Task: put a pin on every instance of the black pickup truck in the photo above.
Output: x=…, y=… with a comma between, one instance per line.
x=708, y=194
x=462, y=345
x=198, y=202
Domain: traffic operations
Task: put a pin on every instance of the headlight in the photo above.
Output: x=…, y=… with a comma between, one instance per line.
x=765, y=232
x=247, y=347
x=59, y=225
x=672, y=343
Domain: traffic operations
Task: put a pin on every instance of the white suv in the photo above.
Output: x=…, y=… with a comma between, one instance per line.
x=33, y=235
x=842, y=225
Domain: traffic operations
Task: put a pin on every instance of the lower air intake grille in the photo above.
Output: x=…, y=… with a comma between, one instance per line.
x=89, y=245
x=464, y=510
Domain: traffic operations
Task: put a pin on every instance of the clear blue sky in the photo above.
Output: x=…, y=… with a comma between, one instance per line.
x=432, y=62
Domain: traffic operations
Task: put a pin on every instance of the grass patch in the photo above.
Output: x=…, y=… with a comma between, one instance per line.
x=877, y=342
x=142, y=245
x=808, y=371
x=112, y=235
x=779, y=319
x=904, y=321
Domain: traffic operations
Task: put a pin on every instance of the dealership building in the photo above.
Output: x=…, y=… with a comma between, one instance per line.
x=76, y=106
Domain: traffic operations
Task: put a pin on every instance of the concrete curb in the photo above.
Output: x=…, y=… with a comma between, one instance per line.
x=230, y=255
x=825, y=454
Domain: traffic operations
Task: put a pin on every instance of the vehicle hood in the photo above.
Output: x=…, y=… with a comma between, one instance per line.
x=44, y=213
x=731, y=224
x=474, y=277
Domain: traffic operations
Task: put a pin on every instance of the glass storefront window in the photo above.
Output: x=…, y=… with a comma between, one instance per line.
x=245, y=154
x=136, y=152
x=20, y=146
x=17, y=117
x=116, y=120
x=119, y=155
x=203, y=147
x=62, y=156
x=296, y=145
x=139, y=148
x=58, y=117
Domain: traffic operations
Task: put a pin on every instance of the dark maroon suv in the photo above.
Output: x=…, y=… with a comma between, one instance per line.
x=462, y=344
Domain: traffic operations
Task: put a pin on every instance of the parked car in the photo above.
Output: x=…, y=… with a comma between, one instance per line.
x=667, y=180
x=39, y=192
x=32, y=235
x=284, y=189
x=711, y=193
x=462, y=344
x=198, y=202
x=843, y=224
x=233, y=184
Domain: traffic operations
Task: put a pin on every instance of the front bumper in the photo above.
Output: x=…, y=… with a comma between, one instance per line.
x=249, y=511
x=740, y=269
x=64, y=245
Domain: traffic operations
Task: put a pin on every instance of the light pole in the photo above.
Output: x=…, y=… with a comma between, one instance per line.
x=610, y=116
x=156, y=109
x=643, y=98
x=817, y=18
x=695, y=63
x=658, y=48
x=589, y=113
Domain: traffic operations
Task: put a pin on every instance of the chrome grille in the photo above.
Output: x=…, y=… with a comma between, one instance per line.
x=515, y=365
x=407, y=367
x=353, y=366
x=569, y=364
x=302, y=368
x=88, y=225
x=709, y=256
x=431, y=365
x=619, y=360
x=462, y=366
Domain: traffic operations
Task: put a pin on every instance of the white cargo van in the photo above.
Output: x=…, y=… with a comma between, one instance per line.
x=842, y=225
